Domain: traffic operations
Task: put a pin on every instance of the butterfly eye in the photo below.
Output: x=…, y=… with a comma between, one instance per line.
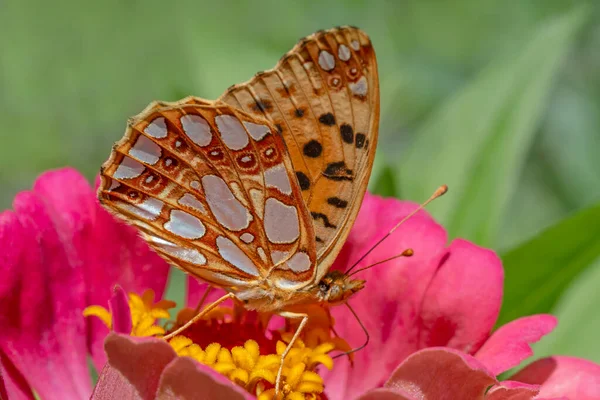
x=324, y=287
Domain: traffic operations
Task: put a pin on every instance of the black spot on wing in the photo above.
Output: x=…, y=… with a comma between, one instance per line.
x=347, y=133
x=337, y=171
x=327, y=119
x=299, y=112
x=312, y=149
x=262, y=105
x=337, y=202
x=360, y=140
x=303, y=180
x=323, y=217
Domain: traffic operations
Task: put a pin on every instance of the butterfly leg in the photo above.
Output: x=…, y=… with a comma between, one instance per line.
x=287, y=314
x=203, y=299
x=208, y=308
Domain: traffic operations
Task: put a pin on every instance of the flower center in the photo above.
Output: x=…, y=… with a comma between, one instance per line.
x=239, y=345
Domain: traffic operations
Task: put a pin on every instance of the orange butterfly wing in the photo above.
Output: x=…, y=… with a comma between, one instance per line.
x=323, y=97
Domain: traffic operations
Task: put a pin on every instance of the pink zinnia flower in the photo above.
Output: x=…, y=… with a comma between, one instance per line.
x=439, y=373
x=62, y=253
x=442, y=296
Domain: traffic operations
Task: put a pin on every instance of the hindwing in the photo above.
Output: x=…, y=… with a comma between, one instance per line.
x=212, y=190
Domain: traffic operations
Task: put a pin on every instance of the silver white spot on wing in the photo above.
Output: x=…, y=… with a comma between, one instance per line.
x=257, y=131
x=261, y=254
x=326, y=60
x=344, y=53
x=195, y=185
x=360, y=87
x=232, y=132
x=145, y=150
x=247, y=237
x=185, y=225
x=286, y=284
x=355, y=45
x=281, y=222
x=113, y=185
x=227, y=209
x=192, y=201
x=234, y=255
x=278, y=256
x=157, y=128
x=299, y=262
x=197, y=129
x=128, y=169
x=148, y=209
x=277, y=177
x=190, y=255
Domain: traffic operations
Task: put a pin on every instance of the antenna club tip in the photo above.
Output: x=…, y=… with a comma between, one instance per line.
x=408, y=253
x=441, y=190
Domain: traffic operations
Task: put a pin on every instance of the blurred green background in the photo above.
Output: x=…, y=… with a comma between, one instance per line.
x=498, y=99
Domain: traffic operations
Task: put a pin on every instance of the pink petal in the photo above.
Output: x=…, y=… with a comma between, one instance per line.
x=138, y=361
x=112, y=253
x=441, y=373
x=13, y=244
x=376, y=217
x=43, y=330
x=120, y=311
x=111, y=384
x=510, y=390
x=386, y=394
x=462, y=302
x=185, y=379
x=12, y=382
x=569, y=377
x=509, y=345
x=389, y=305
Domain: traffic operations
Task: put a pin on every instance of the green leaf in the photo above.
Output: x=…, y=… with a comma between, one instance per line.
x=176, y=289
x=579, y=321
x=539, y=271
x=477, y=142
x=383, y=180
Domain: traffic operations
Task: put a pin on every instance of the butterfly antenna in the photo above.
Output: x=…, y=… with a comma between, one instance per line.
x=405, y=253
x=364, y=330
x=438, y=193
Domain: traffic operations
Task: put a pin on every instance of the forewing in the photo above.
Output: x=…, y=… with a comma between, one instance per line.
x=212, y=190
x=323, y=97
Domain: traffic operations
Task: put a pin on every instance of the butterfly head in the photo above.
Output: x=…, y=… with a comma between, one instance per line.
x=336, y=287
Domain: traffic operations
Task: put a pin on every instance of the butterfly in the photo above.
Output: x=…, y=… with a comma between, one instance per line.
x=256, y=192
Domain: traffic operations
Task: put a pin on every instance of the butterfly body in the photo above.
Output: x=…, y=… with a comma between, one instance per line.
x=333, y=289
